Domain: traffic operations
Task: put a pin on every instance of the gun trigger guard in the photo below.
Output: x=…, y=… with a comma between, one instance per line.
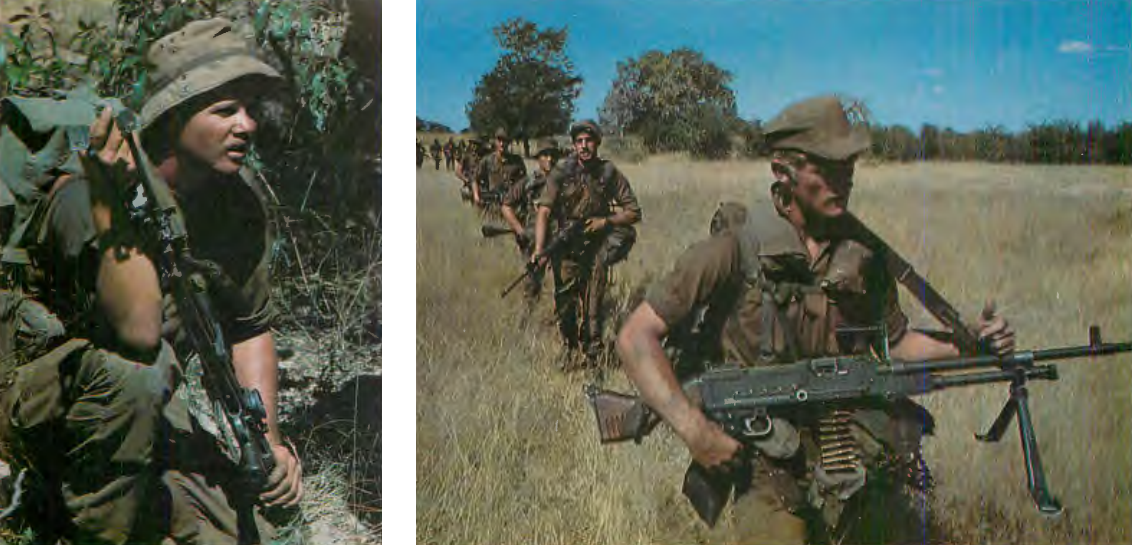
x=758, y=426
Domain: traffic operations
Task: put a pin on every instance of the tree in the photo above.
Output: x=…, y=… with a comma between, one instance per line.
x=677, y=101
x=532, y=88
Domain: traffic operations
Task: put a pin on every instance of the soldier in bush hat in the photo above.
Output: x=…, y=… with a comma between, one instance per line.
x=497, y=172
x=519, y=209
x=775, y=283
x=126, y=460
x=586, y=188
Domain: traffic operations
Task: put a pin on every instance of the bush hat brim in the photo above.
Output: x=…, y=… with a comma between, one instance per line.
x=818, y=126
x=199, y=58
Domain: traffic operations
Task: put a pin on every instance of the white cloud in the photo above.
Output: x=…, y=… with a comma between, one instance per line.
x=1075, y=46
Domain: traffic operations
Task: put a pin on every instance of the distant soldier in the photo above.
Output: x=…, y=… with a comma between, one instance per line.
x=498, y=171
x=520, y=214
x=420, y=153
x=467, y=168
x=435, y=150
x=586, y=188
x=449, y=154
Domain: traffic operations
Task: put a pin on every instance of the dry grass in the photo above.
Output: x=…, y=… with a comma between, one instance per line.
x=507, y=451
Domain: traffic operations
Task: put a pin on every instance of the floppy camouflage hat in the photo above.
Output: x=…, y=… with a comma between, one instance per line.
x=818, y=126
x=548, y=146
x=501, y=133
x=586, y=125
x=200, y=57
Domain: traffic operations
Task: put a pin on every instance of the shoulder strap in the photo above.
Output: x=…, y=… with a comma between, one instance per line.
x=934, y=302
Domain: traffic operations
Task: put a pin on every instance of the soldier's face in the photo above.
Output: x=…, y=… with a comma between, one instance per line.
x=219, y=135
x=545, y=162
x=822, y=187
x=585, y=145
x=500, y=145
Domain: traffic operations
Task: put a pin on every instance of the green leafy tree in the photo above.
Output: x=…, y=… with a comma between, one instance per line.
x=676, y=101
x=532, y=88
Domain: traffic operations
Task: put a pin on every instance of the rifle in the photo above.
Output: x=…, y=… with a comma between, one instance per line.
x=243, y=408
x=742, y=400
x=564, y=236
x=492, y=231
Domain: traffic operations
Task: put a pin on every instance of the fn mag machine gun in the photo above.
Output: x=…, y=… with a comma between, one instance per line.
x=743, y=400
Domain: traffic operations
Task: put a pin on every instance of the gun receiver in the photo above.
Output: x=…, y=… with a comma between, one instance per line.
x=243, y=407
x=741, y=400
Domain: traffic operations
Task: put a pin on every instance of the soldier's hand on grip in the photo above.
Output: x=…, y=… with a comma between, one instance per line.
x=712, y=448
x=285, y=484
x=108, y=164
x=995, y=332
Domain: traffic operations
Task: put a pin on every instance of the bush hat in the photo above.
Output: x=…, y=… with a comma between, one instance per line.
x=586, y=125
x=818, y=126
x=196, y=59
x=501, y=133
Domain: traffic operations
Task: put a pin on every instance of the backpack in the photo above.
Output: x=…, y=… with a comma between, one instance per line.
x=39, y=138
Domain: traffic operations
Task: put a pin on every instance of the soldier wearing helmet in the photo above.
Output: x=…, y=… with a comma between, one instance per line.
x=788, y=284
x=586, y=188
x=498, y=171
x=519, y=209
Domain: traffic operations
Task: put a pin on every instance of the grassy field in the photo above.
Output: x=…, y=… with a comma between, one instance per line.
x=506, y=445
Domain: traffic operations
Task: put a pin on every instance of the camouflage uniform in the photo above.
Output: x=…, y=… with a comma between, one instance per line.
x=760, y=299
x=577, y=192
x=435, y=150
x=468, y=170
x=521, y=198
x=497, y=174
x=115, y=456
x=449, y=154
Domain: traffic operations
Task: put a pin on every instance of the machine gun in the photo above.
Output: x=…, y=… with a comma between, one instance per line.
x=561, y=238
x=742, y=402
x=243, y=408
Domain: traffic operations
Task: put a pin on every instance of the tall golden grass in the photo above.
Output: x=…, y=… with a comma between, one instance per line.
x=507, y=449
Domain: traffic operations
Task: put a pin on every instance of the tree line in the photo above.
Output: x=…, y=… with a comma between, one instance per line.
x=679, y=101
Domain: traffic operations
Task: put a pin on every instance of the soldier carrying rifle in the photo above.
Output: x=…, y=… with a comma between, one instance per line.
x=588, y=189
x=795, y=281
x=520, y=214
x=115, y=456
x=497, y=172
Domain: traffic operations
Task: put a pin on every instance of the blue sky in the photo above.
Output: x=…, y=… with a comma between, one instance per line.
x=960, y=64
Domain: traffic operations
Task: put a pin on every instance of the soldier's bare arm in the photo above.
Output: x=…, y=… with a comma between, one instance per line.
x=992, y=328
x=257, y=366
x=639, y=348
x=127, y=286
x=541, y=225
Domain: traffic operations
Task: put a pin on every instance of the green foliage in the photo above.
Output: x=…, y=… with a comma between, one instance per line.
x=677, y=101
x=29, y=54
x=532, y=88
